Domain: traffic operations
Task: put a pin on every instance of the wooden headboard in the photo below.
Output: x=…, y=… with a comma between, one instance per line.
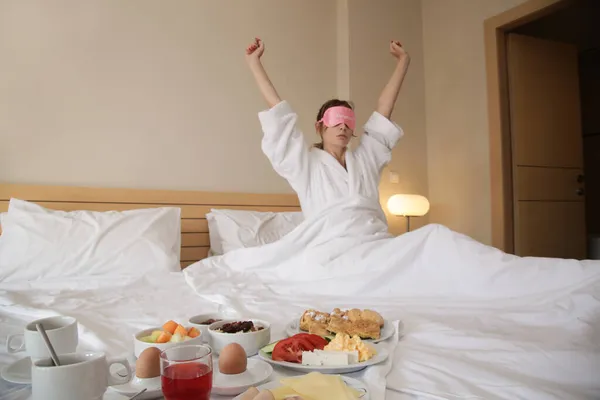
x=194, y=206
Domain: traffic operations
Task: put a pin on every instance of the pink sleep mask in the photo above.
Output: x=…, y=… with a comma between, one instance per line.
x=339, y=115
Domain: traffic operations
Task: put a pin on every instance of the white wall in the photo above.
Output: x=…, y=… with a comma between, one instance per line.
x=456, y=112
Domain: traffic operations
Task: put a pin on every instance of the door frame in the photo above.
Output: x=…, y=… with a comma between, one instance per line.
x=495, y=30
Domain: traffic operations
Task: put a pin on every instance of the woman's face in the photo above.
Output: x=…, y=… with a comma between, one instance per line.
x=336, y=136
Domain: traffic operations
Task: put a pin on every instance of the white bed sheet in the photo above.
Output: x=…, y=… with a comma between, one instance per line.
x=111, y=309
x=479, y=323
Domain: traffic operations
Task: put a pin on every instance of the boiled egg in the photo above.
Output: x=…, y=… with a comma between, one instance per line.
x=233, y=359
x=148, y=363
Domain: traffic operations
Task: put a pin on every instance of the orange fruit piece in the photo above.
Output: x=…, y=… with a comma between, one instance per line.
x=193, y=332
x=170, y=326
x=181, y=330
x=164, y=337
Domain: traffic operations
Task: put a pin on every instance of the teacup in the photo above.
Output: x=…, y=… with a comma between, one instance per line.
x=80, y=376
x=62, y=332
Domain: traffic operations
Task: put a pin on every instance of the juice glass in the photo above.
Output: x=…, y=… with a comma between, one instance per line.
x=186, y=372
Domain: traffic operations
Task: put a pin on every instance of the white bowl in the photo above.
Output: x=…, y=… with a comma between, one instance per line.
x=203, y=328
x=252, y=342
x=139, y=346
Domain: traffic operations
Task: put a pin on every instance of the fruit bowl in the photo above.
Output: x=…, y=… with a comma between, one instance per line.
x=140, y=345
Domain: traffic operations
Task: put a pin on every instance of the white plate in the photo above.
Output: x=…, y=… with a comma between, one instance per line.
x=256, y=373
x=153, y=388
x=382, y=355
x=387, y=331
x=353, y=383
x=18, y=372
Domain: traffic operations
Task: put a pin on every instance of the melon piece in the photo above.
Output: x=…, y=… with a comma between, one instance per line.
x=147, y=339
x=180, y=330
x=170, y=326
x=176, y=338
x=164, y=337
x=185, y=339
x=193, y=332
x=155, y=335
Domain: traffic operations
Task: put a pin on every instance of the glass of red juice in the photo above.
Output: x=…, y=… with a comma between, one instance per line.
x=186, y=372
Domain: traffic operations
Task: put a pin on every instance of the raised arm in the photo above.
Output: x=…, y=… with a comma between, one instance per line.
x=253, y=54
x=388, y=96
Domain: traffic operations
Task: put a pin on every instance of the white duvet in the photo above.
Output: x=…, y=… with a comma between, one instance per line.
x=478, y=323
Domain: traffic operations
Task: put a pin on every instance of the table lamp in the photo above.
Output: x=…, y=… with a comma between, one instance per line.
x=408, y=205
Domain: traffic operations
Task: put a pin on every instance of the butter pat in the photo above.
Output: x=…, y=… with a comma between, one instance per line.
x=329, y=358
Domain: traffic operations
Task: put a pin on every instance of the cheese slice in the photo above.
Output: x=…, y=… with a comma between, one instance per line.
x=285, y=392
x=317, y=386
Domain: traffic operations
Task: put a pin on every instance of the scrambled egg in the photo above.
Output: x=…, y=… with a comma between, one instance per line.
x=343, y=342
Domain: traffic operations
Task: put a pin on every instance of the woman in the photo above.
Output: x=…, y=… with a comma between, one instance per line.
x=329, y=171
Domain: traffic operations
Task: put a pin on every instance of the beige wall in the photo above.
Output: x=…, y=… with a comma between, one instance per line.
x=456, y=112
x=156, y=94
x=153, y=94
x=371, y=29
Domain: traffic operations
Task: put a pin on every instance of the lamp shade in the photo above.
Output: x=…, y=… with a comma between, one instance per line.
x=410, y=205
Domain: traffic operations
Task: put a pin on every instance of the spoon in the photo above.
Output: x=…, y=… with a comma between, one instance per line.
x=53, y=355
x=137, y=394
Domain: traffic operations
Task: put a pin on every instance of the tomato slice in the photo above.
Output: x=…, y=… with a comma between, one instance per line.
x=318, y=341
x=291, y=349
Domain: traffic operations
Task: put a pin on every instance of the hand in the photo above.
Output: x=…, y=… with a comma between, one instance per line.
x=255, y=51
x=398, y=51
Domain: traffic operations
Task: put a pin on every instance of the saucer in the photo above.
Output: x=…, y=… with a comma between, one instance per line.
x=153, y=386
x=256, y=373
x=18, y=372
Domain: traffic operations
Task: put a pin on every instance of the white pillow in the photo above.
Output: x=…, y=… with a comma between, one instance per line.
x=38, y=243
x=234, y=229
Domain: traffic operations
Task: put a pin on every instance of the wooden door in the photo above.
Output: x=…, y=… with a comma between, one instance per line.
x=547, y=150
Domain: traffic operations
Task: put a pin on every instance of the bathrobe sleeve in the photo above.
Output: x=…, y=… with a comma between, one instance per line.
x=284, y=145
x=380, y=136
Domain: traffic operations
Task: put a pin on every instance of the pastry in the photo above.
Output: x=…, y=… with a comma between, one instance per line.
x=318, y=329
x=366, y=324
x=311, y=317
x=365, y=329
x=373, y=316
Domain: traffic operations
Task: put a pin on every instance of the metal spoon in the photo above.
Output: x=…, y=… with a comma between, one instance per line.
x=53, y=355
x=137, y=394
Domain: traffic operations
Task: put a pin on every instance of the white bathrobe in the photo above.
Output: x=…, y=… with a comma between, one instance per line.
x=316, y=176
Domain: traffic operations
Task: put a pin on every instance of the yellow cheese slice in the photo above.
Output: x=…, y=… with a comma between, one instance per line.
x=316, y=386
x=284, y=392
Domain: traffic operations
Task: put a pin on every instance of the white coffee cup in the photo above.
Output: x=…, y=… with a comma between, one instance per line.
x=62, y=332
x=80, y=376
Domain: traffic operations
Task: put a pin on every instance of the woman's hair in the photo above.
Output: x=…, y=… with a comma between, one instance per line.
x=327, y=105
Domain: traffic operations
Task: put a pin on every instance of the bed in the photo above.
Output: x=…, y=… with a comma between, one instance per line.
x=522, y=328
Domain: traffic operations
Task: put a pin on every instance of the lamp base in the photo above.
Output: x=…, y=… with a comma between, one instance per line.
x=407, y=222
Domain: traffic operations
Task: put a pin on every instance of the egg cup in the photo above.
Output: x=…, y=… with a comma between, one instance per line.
x=256, y=373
